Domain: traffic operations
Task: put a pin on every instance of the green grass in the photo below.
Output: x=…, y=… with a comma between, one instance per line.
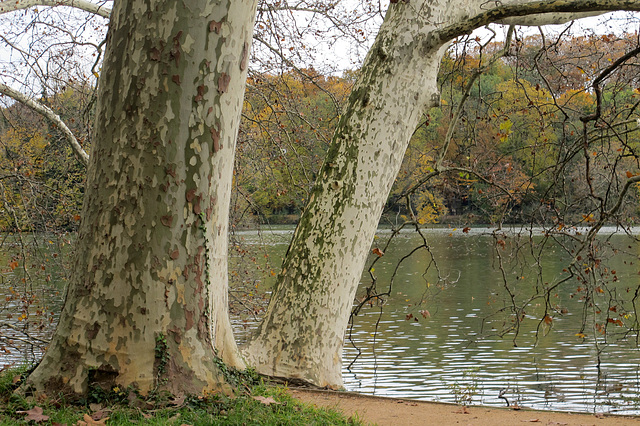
x=126, y=408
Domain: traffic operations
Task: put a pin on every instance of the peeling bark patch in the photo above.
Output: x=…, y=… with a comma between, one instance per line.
x=155, y=54
x=103, y=377
x=176, y=334
x=176, y=79
x=200, y=95
x=92, y=332
x=191, y=194
x=215, y=26
x=188, y=316
x=175, y=50
x=215, y=136
x=223, y=82
x=245, y=56
x=175, y=254
x=167, y=220
x=196, y=206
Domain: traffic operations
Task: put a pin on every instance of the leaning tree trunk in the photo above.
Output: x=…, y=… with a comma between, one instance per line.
x=301, y=335
x=148, y=296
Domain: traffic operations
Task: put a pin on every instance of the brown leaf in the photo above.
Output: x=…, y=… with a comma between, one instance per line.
x=87, y=420
x=95, y=407
x=377, y=252
x=101, y=414
x=178, y=401
x=466, y=229
x=265, y=400
x=35, y=415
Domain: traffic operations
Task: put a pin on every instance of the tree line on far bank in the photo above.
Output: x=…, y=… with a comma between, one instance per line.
x=516, y=142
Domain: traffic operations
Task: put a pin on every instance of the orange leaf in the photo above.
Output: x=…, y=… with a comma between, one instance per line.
x=377, y=252
x=630, y=175
x=547, y=319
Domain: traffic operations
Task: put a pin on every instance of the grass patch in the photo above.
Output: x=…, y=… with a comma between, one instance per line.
x=255, y=404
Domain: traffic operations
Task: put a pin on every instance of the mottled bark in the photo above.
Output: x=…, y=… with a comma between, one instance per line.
x=301, y=335
x=148, y=297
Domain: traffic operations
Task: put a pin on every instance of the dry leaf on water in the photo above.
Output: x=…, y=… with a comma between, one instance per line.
x=35, y=414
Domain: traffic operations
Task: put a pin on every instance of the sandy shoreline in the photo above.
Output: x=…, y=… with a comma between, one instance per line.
x=398, y=412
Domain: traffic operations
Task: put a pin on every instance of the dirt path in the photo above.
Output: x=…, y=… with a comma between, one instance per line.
x=399, y=412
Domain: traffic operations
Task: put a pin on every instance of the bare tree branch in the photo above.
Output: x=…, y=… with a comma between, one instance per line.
x=570, y=9
x=13, y=5
x=45, y=111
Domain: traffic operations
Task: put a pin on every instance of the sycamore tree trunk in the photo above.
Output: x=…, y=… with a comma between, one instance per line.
x=302, y=332
x=301, y=335
x=148, y=297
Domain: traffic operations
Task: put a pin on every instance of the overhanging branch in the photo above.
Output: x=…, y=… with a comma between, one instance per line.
x=527, y=8
x=48, y=113
x=13, y=5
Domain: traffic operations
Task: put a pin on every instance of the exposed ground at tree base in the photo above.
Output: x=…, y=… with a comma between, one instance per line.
x=398, y=412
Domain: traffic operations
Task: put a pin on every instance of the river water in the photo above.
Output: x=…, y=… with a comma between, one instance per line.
x=436, y=337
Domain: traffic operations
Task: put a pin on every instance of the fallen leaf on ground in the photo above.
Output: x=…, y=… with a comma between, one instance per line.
x=532, y=421
x=101, y=414
x=35, y=414
x=462, y=410
x=265, y=400
x=88, y=421
x=178, y=401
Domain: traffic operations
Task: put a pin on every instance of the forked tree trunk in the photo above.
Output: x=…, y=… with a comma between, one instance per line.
x=148, y=297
